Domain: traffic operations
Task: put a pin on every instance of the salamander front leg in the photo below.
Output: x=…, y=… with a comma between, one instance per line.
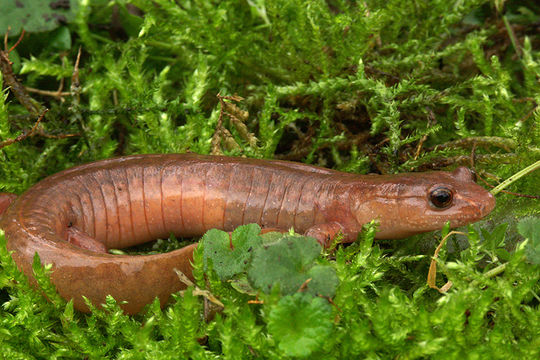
x=324, y=233
x=80, y=239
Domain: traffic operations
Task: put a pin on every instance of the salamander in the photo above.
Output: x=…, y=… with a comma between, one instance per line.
x=73, y=217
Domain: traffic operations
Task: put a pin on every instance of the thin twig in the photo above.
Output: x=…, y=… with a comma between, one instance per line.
x=242, y=129
x=221, y=132
x=528, y=115
x=432, y=274
x=216, y=138
x=431, y=120
x=59, y=136
x=329, y=299
x=6, y=38
x=439, y=163
x=56, y=93
x=473, y=156
x=197, y=291
x=524, y=99
x=304, y=285
x=16, y=87
x=60, y=86
x=23, y=136
x=500, y=142
x=75, y=84
x=17, y=43
x=256, y=301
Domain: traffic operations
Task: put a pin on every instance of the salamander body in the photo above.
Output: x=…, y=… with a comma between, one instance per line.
x=71, y=218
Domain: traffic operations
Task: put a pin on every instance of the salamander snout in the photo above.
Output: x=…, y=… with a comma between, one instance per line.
x=486, y=204
x=483, y=200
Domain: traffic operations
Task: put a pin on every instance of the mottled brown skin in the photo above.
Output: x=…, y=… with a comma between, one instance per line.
x=72, y=217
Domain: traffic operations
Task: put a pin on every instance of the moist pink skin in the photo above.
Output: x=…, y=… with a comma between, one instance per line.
x=72, y=217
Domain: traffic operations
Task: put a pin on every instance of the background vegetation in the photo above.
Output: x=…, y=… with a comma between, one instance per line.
x=367, y=86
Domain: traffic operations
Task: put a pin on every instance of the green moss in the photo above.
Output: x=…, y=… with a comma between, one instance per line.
x=370, y=86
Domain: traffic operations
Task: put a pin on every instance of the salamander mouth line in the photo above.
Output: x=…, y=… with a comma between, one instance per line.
x=475, y=205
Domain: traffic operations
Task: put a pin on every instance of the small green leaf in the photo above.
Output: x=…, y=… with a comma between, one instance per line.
x=271, y=237
x=324, y=281
x=445, y=229
x=131, y=23
x=284, y=262
x=227, y=261
x=35, y=15
x=529, y=228
x=242, y=285
x=42, y=277
x=503, y=254
x=61, y=38
x=67, y=315
x=367, y=235
x=16, y=60
x=495, y=238
x=300, y=324
x=289, y=262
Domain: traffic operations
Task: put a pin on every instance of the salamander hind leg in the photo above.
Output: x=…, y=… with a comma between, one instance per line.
x=324, y=233
x=80, y=239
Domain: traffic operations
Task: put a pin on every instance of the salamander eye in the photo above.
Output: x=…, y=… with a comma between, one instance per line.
x=441, y=197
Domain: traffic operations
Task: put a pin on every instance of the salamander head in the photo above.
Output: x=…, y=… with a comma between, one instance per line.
x=409, y=204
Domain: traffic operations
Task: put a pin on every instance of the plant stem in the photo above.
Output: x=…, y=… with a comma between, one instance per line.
x=495, y=271
x=515, y=177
